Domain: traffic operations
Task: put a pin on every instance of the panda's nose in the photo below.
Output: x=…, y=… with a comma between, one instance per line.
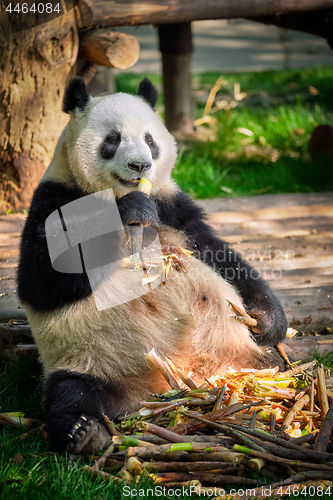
x=139, y=166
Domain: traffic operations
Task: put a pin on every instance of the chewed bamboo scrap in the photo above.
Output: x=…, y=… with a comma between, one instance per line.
x=242, y=316
x=162, y=367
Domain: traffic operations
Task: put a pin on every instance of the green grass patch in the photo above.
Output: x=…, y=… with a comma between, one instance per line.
x=279, y=111
x=326, y=359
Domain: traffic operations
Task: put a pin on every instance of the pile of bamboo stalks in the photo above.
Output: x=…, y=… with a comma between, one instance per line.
x=276, y=424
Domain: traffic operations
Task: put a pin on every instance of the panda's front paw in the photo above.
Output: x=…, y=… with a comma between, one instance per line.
x=86, y=437
x=271, y=327
x=136, y=208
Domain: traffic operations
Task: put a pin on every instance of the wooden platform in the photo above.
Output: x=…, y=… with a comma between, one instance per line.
x=288, y=238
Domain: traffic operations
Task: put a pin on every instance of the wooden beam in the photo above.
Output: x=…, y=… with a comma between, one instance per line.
x=318, y=22
x=108, y=13
x=109, y=48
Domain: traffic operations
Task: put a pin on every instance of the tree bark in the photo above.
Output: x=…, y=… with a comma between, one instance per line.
x=108, y=13
x=176, y=47
x=36, y=64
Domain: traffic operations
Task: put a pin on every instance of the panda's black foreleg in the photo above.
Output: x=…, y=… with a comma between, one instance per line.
x=74, y=405
x=136, y=208
x=260, y=301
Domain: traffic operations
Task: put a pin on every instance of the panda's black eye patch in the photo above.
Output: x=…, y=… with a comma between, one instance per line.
x=155, y=152
x=110, y=145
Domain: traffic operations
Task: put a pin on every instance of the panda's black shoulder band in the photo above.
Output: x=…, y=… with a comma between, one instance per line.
x=76, y=95
x=39, y=285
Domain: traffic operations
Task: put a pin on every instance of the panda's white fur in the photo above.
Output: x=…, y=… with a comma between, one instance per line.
x=188, y=319
x=77, y=156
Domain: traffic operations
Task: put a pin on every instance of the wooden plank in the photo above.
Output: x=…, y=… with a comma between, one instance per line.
x=280, y=228
x=300, y=348
x=272, y=213
x=249, y=203
x=307, y=308
x=108, y=13
x=306, y=234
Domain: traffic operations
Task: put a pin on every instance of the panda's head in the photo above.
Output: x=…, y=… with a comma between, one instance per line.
x=114, y=140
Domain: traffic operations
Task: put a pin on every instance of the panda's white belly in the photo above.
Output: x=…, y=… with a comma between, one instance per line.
x=188, y=320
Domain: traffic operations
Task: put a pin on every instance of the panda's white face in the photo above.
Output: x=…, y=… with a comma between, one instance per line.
x=115, y=141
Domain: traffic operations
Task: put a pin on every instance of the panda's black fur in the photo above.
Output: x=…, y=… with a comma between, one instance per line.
x=75, y=398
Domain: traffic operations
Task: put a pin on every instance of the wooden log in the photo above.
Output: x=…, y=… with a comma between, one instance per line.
x=109, y=48
x=176, y=47
x=107, y=13
x=317, y=22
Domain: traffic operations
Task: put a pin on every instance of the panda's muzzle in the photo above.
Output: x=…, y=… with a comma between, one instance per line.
x=139, y=166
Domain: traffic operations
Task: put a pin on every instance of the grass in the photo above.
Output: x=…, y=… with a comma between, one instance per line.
x=326, y=359
x=279, y=113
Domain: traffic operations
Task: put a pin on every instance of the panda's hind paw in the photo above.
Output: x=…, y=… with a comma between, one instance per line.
x=86, y=436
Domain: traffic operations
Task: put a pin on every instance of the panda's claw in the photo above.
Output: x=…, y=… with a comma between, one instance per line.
x=86, y=433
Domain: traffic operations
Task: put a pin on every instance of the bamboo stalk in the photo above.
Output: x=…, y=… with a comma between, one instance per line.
x=253, y=419
x=148, y=438
x=194, y=483
x=299, y=369
x=125, y=474
x=134, y=466
x=169, y=448
x=273, y=458
x=187, y=381
x=283, y=354
x=325, y=432
x=101, y=461
x=163, y=368
x=219, y=398
x=256, y=464
x=160, y=405
x=131, y=441
x=237, y=435
x=312, y=395
x=161, y=432
x=309, y=454
x=222, y=479
x=294, y=410
x=186, y=466
x=301, y=476
x=305, y=439
x=322, y=394
x=214, y=456
x=170, y=477
x=110, y=425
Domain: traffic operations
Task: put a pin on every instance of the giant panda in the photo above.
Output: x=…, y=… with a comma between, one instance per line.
x=94, y=360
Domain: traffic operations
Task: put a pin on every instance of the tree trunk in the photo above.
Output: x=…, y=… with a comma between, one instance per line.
x=36, y=64
x=176, y=47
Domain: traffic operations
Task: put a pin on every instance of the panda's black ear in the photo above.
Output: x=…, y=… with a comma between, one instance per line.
x=76, y=95
x=148, y=92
